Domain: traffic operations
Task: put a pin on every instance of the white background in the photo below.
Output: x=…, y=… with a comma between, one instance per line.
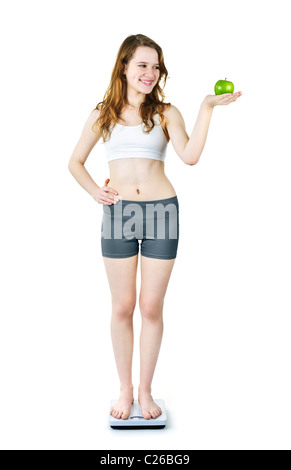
x=224, y=364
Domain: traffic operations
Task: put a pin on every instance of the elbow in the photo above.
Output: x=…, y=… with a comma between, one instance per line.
x=190, y=159
x=193, y=162
x=72, y=165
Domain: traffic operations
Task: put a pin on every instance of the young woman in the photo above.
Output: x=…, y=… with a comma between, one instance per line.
x=136, y=126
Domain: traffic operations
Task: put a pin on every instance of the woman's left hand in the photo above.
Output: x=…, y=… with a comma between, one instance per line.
x=225, y=98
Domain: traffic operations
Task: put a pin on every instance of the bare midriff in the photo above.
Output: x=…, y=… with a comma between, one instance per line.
x=140, y=179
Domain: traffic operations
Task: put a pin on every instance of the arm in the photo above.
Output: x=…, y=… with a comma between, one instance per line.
x=80, y=154
x=82, y=176
x=190, y=149
x=196, y=143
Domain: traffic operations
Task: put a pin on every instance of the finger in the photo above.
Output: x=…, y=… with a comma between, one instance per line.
x=227, y=100
x=102, y=200
x=109, y=197
x=236, y=95
x=223, y=102
x=223, y=98
x=106, y=201
x=110, y=190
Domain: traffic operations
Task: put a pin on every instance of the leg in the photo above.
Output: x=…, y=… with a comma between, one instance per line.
x=121, y=273
x=155, y=275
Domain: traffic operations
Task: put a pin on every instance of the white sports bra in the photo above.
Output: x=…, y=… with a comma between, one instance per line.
x=132, y=142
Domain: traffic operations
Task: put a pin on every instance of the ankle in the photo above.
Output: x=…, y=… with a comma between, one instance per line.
x=126, y=388
x=144, y=389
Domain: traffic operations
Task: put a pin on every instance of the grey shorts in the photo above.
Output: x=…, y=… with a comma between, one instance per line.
x=155, y=224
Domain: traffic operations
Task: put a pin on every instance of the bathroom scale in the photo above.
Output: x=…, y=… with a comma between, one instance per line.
x=136, y=419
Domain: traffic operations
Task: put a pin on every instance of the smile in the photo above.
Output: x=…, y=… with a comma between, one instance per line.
x=147, y=83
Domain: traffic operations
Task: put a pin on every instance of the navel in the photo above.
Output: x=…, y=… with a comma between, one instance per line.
x=137, y=191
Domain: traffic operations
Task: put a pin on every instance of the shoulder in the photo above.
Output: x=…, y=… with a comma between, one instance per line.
x=92, y=119
x=177, y=131
x=173, y=116
x=171, y=112
x=89, y=137
x=95, y=113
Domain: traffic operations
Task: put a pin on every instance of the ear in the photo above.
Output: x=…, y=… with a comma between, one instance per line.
x=125, y=69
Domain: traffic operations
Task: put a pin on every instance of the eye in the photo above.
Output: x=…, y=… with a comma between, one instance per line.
x=143, y=65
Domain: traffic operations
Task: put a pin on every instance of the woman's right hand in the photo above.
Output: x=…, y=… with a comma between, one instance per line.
x=107, y=195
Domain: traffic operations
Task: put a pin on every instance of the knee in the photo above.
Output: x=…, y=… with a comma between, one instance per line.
x=151, y=309
x=123, y=309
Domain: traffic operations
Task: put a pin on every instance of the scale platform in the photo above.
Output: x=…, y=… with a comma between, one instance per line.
x=136, y=419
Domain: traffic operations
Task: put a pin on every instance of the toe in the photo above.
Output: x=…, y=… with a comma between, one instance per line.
x=146, y=414
x=125, y=414
x=157, y=412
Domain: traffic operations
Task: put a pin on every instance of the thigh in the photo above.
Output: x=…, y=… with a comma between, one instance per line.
x=155, y=276
x=114, y=244
x=161, y=229
x=121, y=275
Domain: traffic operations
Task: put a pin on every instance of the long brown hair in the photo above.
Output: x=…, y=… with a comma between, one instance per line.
x=116, y=94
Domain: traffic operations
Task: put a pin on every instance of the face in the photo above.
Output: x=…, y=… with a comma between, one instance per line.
x=143, y=71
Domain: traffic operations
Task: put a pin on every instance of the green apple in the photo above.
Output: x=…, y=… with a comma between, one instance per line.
x=223, y=86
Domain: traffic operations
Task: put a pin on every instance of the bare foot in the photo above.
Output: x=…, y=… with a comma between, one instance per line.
x=121, y=408
x=148, y=407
